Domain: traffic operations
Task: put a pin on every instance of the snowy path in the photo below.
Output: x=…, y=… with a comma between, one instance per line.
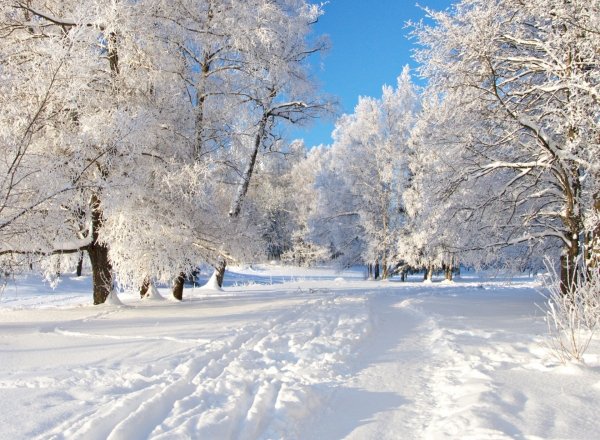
x=239, y=367
x=460, y=362
x=387, y=397
x=309, y=357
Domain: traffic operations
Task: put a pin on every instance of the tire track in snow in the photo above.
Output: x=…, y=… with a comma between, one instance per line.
x=271, y=368
x=133, y=415
x=246, y=384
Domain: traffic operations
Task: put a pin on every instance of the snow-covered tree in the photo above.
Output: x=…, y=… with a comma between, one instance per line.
x=92, y=119
x=143, y=114
x=367, y=174
x=281, y=89
x=522, y=80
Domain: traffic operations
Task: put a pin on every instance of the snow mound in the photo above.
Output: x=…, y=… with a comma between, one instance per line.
x=211, y=284
x=153, y=294
x=113, y=299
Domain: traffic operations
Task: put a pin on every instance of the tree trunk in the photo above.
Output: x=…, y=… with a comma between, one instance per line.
x=385, y=270
x=101, y=272
x=592, y=257
x=448, y=272
x=178, y=286
x=568, y=268
x=429, y=273
x=376, y=270
x=80, y=264
x=384, y=255
x=574, y=226
x=205, y=68
x=220, y=271
x=113, y=54
x=246, y=177
x=98, y=253
x=144, y=287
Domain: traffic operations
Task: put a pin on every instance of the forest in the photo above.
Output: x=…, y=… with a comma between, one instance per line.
x=149, y=138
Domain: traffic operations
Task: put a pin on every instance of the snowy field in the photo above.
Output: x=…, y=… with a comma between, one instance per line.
x=287, y=353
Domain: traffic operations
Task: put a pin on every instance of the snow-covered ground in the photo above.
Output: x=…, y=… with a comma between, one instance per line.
x=293, y=354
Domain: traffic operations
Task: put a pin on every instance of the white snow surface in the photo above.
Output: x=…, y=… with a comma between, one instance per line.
x=290, y=353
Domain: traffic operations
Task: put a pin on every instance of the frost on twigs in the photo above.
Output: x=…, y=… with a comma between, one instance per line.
x=572, y=318
x=304, y=252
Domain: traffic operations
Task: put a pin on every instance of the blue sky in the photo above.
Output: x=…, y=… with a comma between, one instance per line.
x=368, y=49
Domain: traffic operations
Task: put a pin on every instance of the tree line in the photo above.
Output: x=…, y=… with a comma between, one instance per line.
x=150, y=136
x=495, y=162
x=132, y=130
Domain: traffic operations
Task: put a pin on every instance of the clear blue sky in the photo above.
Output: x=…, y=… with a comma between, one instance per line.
x=369, y=47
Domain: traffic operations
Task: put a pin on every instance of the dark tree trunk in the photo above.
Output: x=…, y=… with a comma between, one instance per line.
x=113, y=55
x=448, y=272
x=568, y=268
x=98, y=253
x=144, y=287
x=80, y=264
x=376, y=270
x=592, y=257
x=194, y=276
x=574, y=226
x=205, y=68
x=101, y=272
x=220, y=271
x=178, y=286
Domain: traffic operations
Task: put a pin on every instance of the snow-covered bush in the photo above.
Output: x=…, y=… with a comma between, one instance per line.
x=574, y=317
x=305, y=253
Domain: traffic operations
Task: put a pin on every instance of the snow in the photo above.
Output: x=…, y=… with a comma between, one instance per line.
x=153, y=294
x=290, y=353
x=212, y=283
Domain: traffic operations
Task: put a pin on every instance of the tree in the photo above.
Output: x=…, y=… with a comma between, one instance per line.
x=34, y=179
x=109, y=103
x=144, y=117
x=368, y=173
x=280, y=89
x=527, y=104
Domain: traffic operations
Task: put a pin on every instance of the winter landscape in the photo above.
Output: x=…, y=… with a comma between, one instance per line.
x=177, y=262
x=292, y=353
